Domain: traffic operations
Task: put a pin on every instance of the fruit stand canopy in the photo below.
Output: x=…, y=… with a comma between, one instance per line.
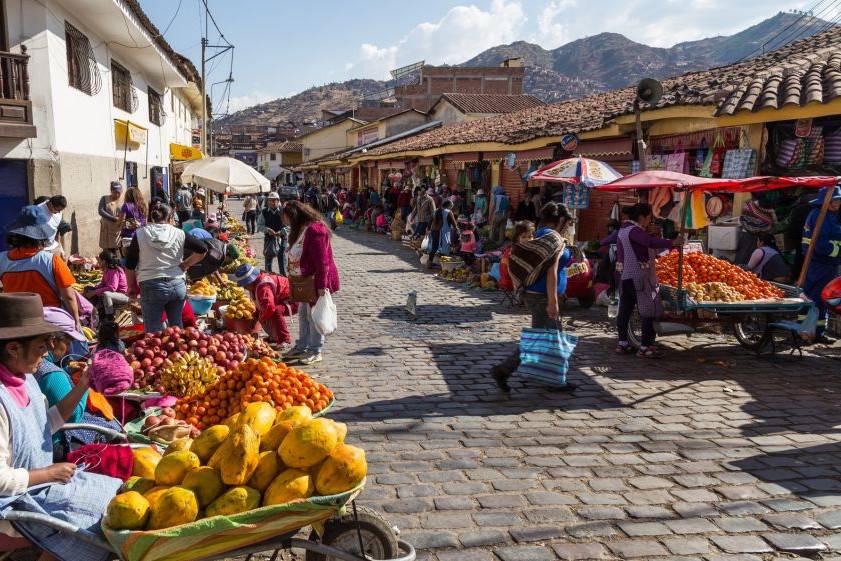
x=661, y=178
x=225, y=175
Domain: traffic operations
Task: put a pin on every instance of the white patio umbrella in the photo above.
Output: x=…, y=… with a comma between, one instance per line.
x=225, y=175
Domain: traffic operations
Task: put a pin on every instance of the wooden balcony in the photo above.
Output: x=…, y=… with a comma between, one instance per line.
x=15, y=106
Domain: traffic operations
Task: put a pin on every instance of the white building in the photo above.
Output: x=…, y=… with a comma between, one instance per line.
x=275, y=159
x=91, y=93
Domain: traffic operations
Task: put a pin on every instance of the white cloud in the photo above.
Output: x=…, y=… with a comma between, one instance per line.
x=552, y=23
x=242, y=101
x=462, y=33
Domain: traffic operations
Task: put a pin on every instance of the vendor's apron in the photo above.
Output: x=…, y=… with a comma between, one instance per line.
x=109, y=231
x=643, y=275
x=81, y=502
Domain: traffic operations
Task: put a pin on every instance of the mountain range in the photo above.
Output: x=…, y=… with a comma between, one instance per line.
x=584, y=66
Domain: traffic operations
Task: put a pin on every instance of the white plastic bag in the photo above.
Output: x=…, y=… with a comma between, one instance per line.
x=425, y=243
x=324, y=314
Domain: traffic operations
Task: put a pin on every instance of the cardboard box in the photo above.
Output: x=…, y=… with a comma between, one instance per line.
x=724, y=237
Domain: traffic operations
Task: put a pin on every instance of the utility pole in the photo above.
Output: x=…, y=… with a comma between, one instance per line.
x=203, y=95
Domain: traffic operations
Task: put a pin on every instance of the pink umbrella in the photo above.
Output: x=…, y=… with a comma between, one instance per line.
x=661, y=178
x=577, y=170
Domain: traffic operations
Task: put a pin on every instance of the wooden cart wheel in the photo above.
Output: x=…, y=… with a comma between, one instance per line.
x=378, y=536
x=635, y=330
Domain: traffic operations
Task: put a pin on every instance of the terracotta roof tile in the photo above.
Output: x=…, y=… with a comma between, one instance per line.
x=489, y=103
x=285, y=146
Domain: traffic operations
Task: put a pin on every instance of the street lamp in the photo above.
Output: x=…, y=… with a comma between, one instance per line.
x=227, y=80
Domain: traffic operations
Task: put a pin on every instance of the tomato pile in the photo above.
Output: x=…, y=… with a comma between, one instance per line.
x=702, y=268
x=253, y=380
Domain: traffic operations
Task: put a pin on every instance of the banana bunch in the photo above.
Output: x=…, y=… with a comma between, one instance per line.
x=202, y=288
x=230, y=293
x=88, y=277
x=232, y=266
x=241, y=308
x=188, y=375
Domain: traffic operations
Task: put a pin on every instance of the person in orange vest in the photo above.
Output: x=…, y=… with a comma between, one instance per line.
x=271, y=293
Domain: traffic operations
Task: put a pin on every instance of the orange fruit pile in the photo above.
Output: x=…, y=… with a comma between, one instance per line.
x=703, y=268
x=253, y=380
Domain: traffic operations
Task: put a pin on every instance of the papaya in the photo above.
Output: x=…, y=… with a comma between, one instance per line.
x=208, y=441
x=154, y=493
x=267, y=469
x=234, y=501
x=240, y=459
x=128, y=511
x=172, y=468
x=139, y=484
x=145, y=461
x=232, y=421
x=289, y=485
x=205, y=482
x=272, y=439
x=297, y=415
x=344, y=469
x=341, y=429
x=259, y=416
x=309, y=444
x=173, y=507
x=179, y=444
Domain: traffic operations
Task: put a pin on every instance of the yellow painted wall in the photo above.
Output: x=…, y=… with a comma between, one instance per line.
x=327, y=140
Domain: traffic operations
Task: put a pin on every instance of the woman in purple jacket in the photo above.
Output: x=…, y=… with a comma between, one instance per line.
x=639, y=288
x=310, y=254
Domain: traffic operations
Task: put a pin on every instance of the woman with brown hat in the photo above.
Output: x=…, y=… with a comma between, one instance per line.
x=29, y=479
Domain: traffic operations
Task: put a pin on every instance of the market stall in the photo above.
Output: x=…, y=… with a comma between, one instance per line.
x=698, y=289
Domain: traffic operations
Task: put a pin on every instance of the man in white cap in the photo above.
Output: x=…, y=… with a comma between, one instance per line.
x=276, y=234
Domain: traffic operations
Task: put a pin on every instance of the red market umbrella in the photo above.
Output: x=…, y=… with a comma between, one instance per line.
x=577, y=170
x=661, y=178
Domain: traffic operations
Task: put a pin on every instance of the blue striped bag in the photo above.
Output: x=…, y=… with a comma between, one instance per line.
x=544, y=355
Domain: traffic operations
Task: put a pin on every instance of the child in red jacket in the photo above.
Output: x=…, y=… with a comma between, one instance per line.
x=271, y=293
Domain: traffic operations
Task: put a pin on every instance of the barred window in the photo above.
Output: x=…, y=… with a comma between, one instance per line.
x=123, y=92
x=156, y=107
x=82, y=69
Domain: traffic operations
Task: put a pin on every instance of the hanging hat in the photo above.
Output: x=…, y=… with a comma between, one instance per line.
x=33, y=221
x=245, y=274
x=22, y=315
x=836, y=194
x=63, y=322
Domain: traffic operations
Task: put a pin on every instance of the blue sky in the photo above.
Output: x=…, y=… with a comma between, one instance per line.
x=284, y=47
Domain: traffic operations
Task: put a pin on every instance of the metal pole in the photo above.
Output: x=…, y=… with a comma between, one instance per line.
x=640, y=140
x=203, y=142
x=815, y=234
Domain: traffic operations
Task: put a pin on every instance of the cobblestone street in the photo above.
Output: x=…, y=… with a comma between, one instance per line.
x=711, y=453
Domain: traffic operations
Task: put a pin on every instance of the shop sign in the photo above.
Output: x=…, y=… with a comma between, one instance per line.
x=569, y=142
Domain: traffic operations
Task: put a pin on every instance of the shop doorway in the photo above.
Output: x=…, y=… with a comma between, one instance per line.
x=14, y=192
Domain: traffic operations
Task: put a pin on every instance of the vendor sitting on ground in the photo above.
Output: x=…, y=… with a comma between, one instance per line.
x=113, y=288
x=271, y=293
x=53, y=377
x=766, y=261
x=29, y=478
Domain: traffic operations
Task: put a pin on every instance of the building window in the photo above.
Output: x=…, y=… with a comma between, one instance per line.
x=273, y=156
x=82, y=69
x=125, y=97
x=156, y=108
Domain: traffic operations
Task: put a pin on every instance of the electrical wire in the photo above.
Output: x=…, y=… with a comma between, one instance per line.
x=798, y=32
x=760, y=49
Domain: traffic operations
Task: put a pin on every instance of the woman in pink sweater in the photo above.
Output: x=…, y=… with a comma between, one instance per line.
x=113, y=288
x=310, y=254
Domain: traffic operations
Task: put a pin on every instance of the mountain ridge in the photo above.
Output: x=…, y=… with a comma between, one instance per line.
x=587, y=65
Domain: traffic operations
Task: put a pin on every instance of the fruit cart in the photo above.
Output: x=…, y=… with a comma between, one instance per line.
x=750, y=320
x=348, y=529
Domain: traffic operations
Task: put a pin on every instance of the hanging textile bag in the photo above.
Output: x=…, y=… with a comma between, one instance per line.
x=832, y=148
x=717, y=161
x=738, y=163
x=798, y=160
x=815, y=147
x=700, y=156
x=545, y=354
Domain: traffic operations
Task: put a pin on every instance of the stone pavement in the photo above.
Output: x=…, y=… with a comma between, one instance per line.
x=711, y=453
